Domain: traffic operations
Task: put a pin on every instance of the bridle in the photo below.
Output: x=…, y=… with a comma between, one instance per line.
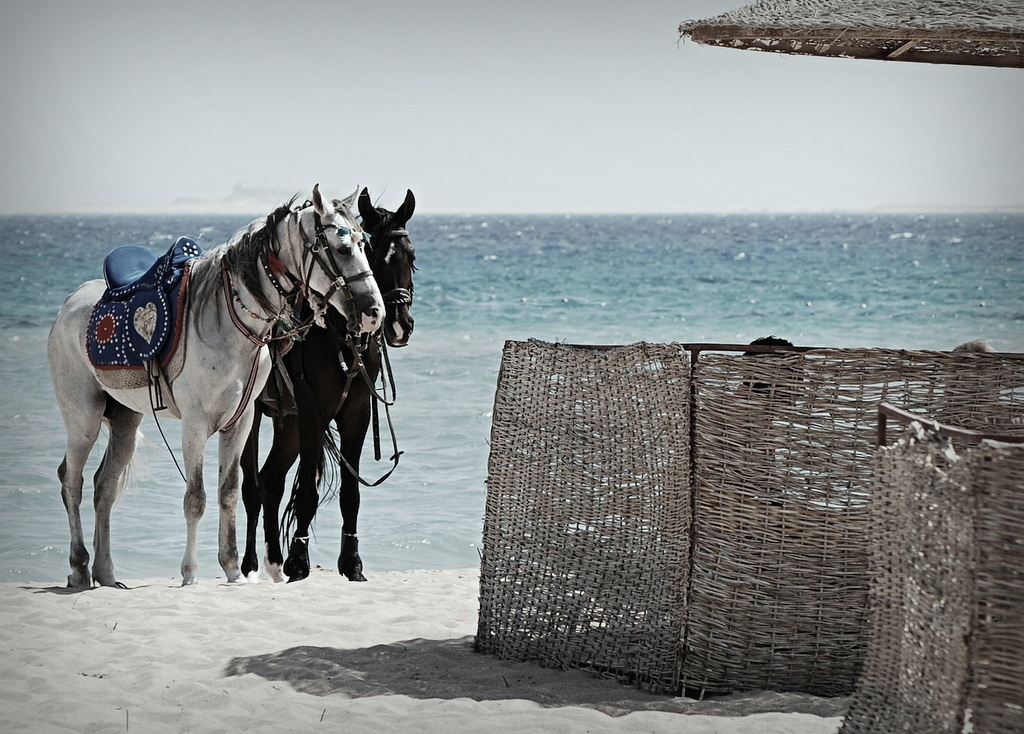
x=397, y=296
x=324, y=255
x=357, y=369
x=321, y=254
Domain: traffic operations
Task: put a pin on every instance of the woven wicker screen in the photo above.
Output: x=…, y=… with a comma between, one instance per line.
x=996, y=697
x=947, y=596
x=605, y=548
x=781, y=488
x=587, y=522
x=779, y=587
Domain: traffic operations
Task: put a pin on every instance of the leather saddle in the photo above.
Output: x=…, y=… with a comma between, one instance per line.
x=139, y=316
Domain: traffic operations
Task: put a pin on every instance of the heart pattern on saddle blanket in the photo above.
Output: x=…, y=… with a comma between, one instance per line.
x=145, y=321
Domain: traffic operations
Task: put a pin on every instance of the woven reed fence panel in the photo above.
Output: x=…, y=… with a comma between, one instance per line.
x=779, y=587
x=783, y=456
x=922, y=548
x=586, y=529
x=997, y=698
x=947, y=594
x=603, y=551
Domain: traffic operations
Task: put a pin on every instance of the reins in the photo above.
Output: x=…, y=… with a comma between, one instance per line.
x=324, y=256
x=275, y=269
x=386, y=358
x=394, y=297
x=358, y=369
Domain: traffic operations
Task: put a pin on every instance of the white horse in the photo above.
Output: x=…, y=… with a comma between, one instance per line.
x=237, y=295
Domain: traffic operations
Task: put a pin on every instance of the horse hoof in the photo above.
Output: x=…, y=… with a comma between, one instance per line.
x=253, y=577
x=295, y=571
x=352, y=568
x=233, y=574
x=297, y=565
x=76, y=581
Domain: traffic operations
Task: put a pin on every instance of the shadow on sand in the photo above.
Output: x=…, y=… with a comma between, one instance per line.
x=447, y=669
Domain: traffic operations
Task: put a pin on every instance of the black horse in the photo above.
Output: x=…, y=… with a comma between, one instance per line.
x=333, y=380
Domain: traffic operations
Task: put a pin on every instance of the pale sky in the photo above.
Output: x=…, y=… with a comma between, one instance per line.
x=479, y=107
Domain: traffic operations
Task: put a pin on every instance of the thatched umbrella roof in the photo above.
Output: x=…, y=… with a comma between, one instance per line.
x=983, y=33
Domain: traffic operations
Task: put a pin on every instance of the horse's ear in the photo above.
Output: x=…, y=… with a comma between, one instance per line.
x=350, y=201
x=366, y=210
x=318, y=200
x=404, y=213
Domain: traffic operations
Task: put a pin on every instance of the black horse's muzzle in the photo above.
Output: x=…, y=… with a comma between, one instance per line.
x=399, y=324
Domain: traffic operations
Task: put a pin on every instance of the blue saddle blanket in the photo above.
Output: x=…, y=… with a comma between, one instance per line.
x=139, y=316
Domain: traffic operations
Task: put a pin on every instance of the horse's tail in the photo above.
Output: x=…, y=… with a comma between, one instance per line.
x=328, y=482
x=111, y=408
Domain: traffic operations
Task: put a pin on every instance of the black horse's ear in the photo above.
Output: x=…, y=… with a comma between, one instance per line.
x=366, y=210
x=404, y=213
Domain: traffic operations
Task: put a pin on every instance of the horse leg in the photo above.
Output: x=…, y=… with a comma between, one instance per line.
x=282, y=455
x=81, y=406
x=352, y=434
x=231, y=442
x=193, y=444
x=70, y=474
x=252, y=496
x=303, y=505
x=305, y=498
x=71, y=495
x=109, y=482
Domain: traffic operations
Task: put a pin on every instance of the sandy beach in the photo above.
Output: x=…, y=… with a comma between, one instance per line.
x=393, y=654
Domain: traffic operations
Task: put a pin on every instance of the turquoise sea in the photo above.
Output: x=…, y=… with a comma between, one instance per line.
x=844, y=280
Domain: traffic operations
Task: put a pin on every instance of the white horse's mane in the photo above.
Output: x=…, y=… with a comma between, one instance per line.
x=242, y=254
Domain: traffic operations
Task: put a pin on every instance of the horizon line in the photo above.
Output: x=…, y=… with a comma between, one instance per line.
x=228, y=211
